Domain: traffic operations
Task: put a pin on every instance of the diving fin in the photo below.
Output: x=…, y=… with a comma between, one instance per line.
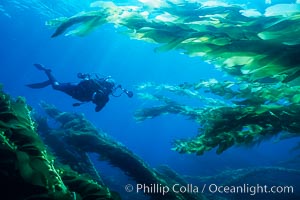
x=39, y=85
x=40, y=67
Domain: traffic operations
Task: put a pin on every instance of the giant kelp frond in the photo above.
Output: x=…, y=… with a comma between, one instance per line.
x=242, y=42
x=24, y=158
x=225, y=127
x=84, y=137
x=88, y=22
x=168, y=107
x=244, y=114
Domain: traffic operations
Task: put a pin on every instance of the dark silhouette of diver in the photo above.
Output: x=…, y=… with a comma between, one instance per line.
x=90, y=88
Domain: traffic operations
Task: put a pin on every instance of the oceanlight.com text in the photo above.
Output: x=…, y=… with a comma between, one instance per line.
x=250, y=189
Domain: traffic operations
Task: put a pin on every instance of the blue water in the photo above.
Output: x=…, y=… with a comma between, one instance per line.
x=26, y=40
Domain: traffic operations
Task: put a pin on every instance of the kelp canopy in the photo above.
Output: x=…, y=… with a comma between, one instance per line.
x=254, y=47
x=242, y=42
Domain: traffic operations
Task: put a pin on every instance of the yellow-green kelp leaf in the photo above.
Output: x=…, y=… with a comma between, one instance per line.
x=223, y=35
x=284, y=10
x=296, y=98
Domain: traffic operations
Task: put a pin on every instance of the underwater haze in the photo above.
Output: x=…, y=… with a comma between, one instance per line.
x=163, y=136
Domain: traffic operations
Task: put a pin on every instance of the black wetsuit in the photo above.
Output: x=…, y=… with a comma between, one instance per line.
x=84, y=90
x=95, y=90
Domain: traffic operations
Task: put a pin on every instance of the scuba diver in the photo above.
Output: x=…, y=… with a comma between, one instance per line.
x=90, y=88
